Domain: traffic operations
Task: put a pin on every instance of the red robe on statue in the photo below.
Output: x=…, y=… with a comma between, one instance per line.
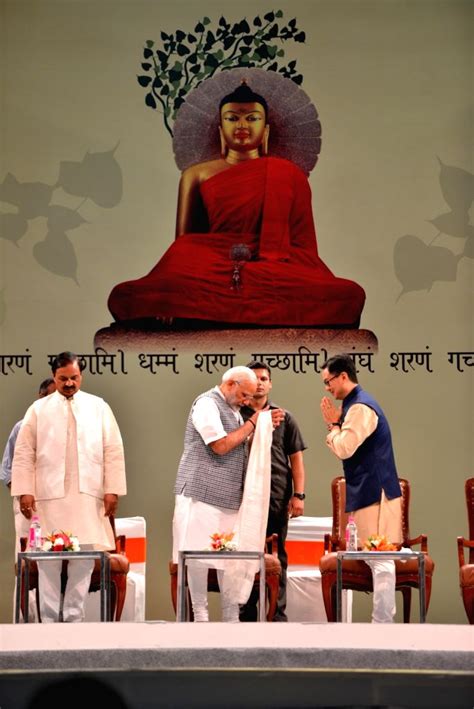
x=265, y=204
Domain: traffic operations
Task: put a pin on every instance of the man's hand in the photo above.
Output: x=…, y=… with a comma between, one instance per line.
x=27, y=505
x=295, y=507
x=331, y=414
x=277, y=417
x=110, y=504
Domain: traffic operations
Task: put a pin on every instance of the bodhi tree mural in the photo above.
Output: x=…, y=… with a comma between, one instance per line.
x=185, y=59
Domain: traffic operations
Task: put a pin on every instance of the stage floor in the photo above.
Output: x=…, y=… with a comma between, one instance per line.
x=267, y=665
x=360, y=644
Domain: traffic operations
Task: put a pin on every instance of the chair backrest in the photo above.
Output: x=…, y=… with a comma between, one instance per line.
x=469, y=490
x=340, y=517
x=134, y=529
x=305, y=540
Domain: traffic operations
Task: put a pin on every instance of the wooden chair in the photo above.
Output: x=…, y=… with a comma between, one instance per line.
x=272, y=578
x=357, y=575
x=466, y=571
x=119, y=567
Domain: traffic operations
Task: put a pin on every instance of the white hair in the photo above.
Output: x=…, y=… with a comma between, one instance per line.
x=236, y=373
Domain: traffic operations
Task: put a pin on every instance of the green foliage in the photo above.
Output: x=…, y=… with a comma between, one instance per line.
x=184, y=59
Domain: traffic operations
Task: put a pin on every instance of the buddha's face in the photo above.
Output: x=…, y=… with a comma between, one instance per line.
x=243, y=126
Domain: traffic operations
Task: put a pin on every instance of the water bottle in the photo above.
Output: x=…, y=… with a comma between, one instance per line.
x=351, y=535
x=34, y=537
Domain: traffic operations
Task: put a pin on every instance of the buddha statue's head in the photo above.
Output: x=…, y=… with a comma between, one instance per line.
x=243, y=126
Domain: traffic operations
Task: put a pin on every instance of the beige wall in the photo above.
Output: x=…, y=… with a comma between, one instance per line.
x=391, y=82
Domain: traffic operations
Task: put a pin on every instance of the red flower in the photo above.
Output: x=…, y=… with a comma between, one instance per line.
x=222, y=541
x=61, y=541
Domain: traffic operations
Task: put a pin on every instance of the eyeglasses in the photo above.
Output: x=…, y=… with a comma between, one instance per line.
x=326, y=382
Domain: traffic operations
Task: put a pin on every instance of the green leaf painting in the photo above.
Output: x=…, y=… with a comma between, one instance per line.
x=186, y=58
x=97, y=177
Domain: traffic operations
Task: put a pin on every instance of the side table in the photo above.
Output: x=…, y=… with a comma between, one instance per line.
x=184, y=556
x=23, y=562
x=390, y=555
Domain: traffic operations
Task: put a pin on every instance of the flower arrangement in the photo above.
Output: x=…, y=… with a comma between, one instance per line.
x=378, y=542
x=61, y=541
x=222, y=542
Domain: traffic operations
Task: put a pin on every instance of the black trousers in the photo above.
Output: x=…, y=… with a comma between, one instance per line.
x=277, y=524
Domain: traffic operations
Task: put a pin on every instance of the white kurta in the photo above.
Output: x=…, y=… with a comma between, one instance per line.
x=77, y=512
x=193, y=521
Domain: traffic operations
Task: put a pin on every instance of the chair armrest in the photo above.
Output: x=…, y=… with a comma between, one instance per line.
x=330, y=543
x=462, y=542
x=272, y=544
x=421, y=539
x=461, y=551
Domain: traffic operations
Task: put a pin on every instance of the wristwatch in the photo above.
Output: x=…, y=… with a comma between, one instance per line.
x=299, y=495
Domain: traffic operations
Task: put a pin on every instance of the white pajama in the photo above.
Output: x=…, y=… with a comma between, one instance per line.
x=193, y=524
x=384, y=518
x=194, y=521
x=49, y=581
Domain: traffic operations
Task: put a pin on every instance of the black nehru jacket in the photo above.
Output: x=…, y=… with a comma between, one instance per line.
x=287, y=439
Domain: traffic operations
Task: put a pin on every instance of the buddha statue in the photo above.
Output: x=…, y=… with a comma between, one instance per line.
x=245, y=253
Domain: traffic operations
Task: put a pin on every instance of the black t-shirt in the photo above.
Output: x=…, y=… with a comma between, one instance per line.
x=287, y=439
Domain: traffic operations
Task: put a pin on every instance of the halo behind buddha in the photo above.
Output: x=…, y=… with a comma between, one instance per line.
x=295, y=130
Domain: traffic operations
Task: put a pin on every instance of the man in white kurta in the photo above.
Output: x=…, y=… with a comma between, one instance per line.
x=210, y=483
x=69, y=468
